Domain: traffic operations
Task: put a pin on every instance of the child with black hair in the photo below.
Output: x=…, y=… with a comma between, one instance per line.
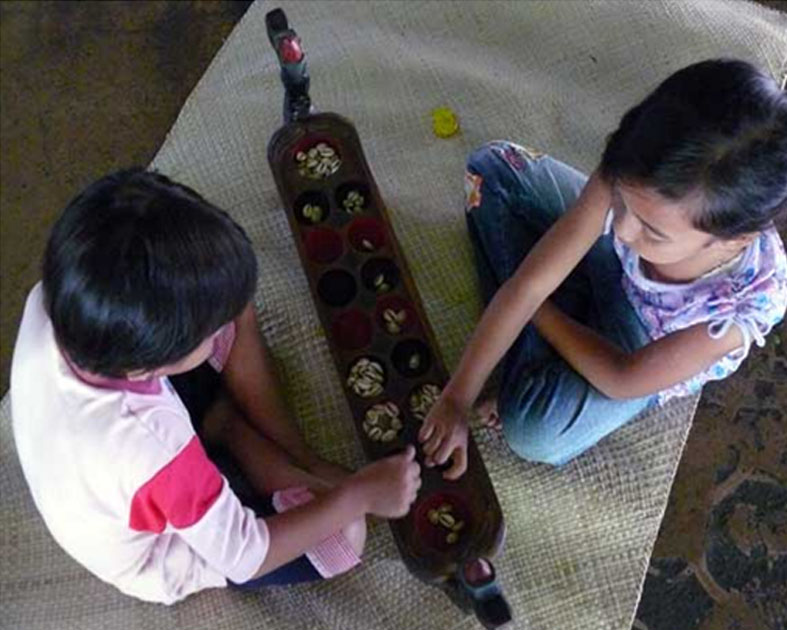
x=139, y=345
x=611, y=294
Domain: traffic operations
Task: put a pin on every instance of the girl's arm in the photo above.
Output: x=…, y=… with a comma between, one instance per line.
x=444, y=432
x=619, y=374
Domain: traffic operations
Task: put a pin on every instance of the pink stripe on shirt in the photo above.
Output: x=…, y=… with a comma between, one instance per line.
x=180, y=493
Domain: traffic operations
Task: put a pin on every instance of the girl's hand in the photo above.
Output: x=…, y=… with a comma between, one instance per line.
x=388, y=487
x=444, y=436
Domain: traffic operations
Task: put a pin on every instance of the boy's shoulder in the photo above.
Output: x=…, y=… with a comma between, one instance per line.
x=50, y=397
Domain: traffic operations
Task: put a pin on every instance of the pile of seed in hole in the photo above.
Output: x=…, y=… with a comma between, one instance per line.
x=382, y=422
x=423, y=399
x=319, y=162
x=414, y=361
x=366, y=378
x=394, y=320
x=313, y=212
x=443, y=517
x=381, y=285
x=353, y=203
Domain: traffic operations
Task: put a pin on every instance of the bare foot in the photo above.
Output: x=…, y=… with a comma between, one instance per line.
x=488, y=415
x=478, y=572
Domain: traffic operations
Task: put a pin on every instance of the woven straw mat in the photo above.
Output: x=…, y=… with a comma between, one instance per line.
x=552, y=75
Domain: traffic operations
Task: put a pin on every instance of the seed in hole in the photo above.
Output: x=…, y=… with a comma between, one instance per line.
x=446, y=520
x=366, y=234
x=394, y=320
x=354, y=202
x=380, y=275
x=366, y=378
x=389, y=435
x=443, y=517
x=382, y=423
x=311, y=207
x=423, y=399
x=319, y=162
x=312, y=212
x=411, y=357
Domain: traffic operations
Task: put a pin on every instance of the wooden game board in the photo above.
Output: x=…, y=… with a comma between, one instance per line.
x=343, y=254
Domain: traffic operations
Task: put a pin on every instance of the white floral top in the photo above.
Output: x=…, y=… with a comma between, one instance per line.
x=751, y=293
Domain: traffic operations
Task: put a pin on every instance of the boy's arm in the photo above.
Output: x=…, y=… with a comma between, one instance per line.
x=250, y=377
x=385, y=488
x=619, y=374
x=294, y=532
x=197, y=501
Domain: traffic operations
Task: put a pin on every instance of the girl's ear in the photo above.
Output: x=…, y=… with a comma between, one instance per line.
x=743, y=240
x=734, y=244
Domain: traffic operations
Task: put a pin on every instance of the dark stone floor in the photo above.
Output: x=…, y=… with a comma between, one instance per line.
x=89, y=87
x=85, y=88
x=720, y=562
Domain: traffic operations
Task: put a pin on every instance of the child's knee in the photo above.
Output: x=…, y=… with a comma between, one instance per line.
x=527, y=435
x=482, y=158
x=355, y=533
x=500, y=171
x=490, y=156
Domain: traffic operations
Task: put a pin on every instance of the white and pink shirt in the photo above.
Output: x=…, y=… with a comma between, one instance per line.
x=120, y=477
x=122, y=480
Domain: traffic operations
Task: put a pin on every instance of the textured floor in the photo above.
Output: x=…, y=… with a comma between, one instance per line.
x=720, y=562
x=89, y=87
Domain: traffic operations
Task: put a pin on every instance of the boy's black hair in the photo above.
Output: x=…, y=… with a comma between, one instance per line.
x=718, y=129
x=139, y=270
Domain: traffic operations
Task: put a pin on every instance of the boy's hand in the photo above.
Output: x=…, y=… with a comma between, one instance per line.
x=389, y=486
x=444, y=436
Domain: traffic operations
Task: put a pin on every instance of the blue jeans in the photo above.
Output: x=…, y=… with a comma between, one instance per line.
x=550, y=413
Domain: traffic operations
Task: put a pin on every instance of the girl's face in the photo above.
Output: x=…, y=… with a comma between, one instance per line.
x=657, y=228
